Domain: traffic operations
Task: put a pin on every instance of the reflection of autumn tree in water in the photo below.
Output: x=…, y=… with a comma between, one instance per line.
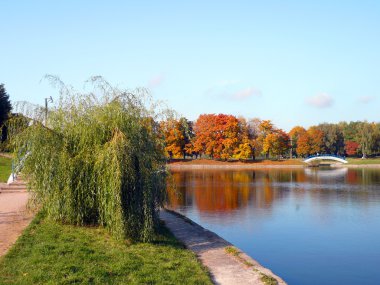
x=221, y=191
x=176, y=189
x=225, y=191
x=367, y=176
x=352, y=176
x=268, y=193
x=212, y=191
x=228, y=191
x=300, y=177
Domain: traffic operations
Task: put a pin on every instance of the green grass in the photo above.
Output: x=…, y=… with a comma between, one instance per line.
x=5, y=168
x=51, y=253
x=363, y=161
x=268, y=280
x=232, y=250
x=235, y=252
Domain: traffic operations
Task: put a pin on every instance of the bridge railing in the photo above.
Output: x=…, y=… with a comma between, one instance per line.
x=18, y=163
x=326, y=154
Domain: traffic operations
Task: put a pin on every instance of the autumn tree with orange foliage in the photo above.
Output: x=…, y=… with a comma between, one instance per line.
x=252, y=129
x=276, y=143
x=294, y=135
x=303, y=145
x=225, y=136
x=272, y=141
x=310, y=142
x=173, y=137
x=217, y=135
x=178, y=135
x=316, y=140
x=246, y=137
x=265, y=128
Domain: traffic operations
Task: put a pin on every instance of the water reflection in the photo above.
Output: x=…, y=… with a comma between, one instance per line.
x=224, y=191
x=298, y=222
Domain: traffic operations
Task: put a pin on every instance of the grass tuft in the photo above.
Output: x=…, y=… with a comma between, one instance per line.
x=235, y=252
x=232, y=250
x=268, y=280
x=5, y=168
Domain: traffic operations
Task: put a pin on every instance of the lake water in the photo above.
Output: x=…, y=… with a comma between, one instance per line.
x=309, y=226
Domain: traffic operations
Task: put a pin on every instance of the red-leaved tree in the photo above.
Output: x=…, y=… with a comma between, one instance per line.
x=351, y=148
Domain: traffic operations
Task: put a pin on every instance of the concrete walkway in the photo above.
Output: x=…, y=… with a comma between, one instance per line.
x=232, y=267
x=14, y=216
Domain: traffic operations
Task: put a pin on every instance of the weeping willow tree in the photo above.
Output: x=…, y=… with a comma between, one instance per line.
x=97, y=159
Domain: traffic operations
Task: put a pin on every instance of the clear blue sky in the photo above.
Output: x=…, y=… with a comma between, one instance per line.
x=294, y=62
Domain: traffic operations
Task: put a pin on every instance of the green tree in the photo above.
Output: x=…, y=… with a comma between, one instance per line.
x=367, y=137
x=5, y=109
x=349, y=130
x=377, y=144
x=186, y=128
x=333, y=139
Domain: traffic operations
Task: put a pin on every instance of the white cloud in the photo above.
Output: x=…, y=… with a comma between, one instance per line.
x=156, y=81
x=321, y=100
x=232, y=90
x=246, y=93
x=366, y=99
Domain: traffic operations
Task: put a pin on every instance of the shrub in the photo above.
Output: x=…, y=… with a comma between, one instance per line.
x=15, y=124
x=97, y=160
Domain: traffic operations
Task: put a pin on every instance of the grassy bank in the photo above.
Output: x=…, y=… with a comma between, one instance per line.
x=5, y=168
x=359, y=161
x=284, y=162
x=52, y=253
x=236, y=162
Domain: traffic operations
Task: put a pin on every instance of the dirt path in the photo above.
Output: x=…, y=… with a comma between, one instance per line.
x=5, y=154
x=227, y=267
x=14, y=217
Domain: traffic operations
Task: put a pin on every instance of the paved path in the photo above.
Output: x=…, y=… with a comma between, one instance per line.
x=225, y=268
x=14, y=217
x=5, y=154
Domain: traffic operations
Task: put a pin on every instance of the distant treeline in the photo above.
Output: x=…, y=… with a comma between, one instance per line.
x=228, y=137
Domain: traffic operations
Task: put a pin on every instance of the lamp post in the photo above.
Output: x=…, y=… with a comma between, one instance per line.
x=47, y=100
x=291, y=147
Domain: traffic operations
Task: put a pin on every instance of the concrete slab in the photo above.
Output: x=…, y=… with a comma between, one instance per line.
x=226, y=268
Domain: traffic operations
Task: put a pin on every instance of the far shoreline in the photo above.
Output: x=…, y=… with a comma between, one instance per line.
x=205, y=164
x=236, y=167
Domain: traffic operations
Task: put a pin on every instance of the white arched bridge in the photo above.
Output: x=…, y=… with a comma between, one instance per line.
x=317, y=158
